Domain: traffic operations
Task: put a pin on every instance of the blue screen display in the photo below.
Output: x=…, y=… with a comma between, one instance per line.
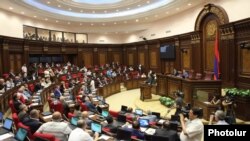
x=74, y=120
x=144, y=122
x=105, y=113
x=21, y=134
x=96, y=127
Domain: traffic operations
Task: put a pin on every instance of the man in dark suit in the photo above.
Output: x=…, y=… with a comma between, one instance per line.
x=33, y=121
x=167, y=132
x=16, y=101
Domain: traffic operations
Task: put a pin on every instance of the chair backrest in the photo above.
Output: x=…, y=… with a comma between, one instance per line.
x=57, y=106
x=159, y=138
x=123, y=134
x=31, y=87
x=15, y=119
x=45, y=136
x=13, y=109
x=84, y=106
x=114, y=113
x=70, y=115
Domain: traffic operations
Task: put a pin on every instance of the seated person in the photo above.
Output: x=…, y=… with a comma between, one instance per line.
x=80, y=133
x=135, y=130
x=16, y=101
x=61, y=130
x=85, y=117
x=57, y=92
x=77, y=110
x=111, y=125
x=219, y=117
x=165, y=131
x=33, y=121
x=23, y=112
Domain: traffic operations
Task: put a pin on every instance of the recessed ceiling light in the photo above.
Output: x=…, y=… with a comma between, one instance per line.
x=146, y=18
x=58, y=5
x=128, y=8
x=177, y=8
x=46, y=19
x=115, y=23
x=70, y=9
x=92, y=24
x=34, y=16
x=103, y=24
x=156, y=16
x=81, y=11
x=105, y=11
x=11, y=8
x=93, y=11
x=117, y=10
x=48, y=2
x=22, y=12
x=80, y=23
x=125, y=22
x=167, y=12
x=138, y=5
x=68, y=22
x=116, y=32
x=137, y=20
x=189, y=4
x=148, y=1
x=57, y=21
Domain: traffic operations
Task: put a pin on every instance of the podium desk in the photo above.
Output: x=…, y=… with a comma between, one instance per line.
x=145, y=91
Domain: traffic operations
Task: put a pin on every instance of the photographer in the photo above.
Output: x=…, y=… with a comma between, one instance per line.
x=192, y=129
x=228, y=104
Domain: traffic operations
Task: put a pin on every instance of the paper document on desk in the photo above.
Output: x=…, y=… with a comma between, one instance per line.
x=150, y=131
x=206, y=102
x=6, y=136
x=105, y=137
x=47, y=117
x=161, y=121
x=34, y=104
x=143, y=129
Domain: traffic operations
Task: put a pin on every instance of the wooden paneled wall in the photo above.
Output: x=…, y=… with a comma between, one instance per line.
x=193, y=52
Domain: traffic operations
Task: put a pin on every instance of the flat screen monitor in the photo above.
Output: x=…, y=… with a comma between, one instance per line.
x=124, y=108
x=105, y=113
x=96, y=127
x=144, y=122
x=139, y=112
x=7, y=123
x=74, y=120
x=167, y=51
x=21, y=134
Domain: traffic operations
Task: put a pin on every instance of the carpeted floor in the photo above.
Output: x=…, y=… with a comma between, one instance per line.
x=131, y=98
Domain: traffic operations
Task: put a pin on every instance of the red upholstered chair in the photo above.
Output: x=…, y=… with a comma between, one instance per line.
x=57, y=106
x=63, y=78
x=114, y=114
x=70, y=115
x=15, y=119
x=13, y=109
x=6, y=76
x=84, y=107
x=20, y=124
x=46, y=136
x=31, y=87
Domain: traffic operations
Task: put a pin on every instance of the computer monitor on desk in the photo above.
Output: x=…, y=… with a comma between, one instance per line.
x=96, y=127
x=105, y=113
x=139, y=112
x=144, y=122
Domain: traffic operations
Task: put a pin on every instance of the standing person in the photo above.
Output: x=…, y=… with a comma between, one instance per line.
x=24, y=70
x=216, y=101
x=228, y=105
x=192, y=129
x=178, y=102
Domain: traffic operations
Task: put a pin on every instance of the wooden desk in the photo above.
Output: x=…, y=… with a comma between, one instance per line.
x=208, y=109
x=145, y=92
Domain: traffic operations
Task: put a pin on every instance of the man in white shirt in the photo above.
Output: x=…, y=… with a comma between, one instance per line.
x=24, y=70
x=80, y=134
x=60, y=129
x=192, y=129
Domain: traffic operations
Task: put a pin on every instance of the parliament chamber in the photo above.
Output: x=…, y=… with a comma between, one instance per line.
x=59, y=67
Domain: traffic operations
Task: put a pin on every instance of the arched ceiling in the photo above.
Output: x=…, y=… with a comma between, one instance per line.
x=110, y=14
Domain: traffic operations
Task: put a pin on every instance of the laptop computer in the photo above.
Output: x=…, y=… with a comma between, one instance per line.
x=123, y=109
x=121, y=119
x=6, y=126
x=96, y=127
x=20, y=135
x=105, y=113
x=123, y=134
x=158, y=115
x=73, y=122
x=144, y=122
x=139, y=112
